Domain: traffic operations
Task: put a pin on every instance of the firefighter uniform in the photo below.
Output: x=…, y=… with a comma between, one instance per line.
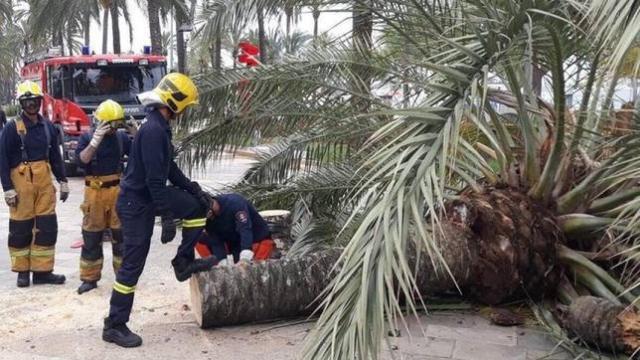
x=99, y=207
x=237, y=227
x=145, y=195
x=29, y=154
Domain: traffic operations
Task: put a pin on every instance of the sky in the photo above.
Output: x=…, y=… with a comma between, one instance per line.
x=335, y=23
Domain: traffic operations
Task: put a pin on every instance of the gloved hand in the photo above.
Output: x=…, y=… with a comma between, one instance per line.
x=223, y=262
x=11, y=198
x=99, y=134
x=64, y=191
x=246, y=255
x=203, y=197
x=131, y=126
x=168, y=229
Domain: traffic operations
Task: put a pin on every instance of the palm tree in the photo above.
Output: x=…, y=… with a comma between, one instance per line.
x=62, y=21
x=488, y=191
x=158, y=11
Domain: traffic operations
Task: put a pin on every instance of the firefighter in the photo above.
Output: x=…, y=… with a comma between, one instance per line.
x=144, y=193
x=29, y=153
x=236, y=228
x=100, y=153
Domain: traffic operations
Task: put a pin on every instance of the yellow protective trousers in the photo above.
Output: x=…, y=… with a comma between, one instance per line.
x=33, y=226
x=99, y=209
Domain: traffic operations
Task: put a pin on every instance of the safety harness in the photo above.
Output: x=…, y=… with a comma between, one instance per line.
x=21, y=129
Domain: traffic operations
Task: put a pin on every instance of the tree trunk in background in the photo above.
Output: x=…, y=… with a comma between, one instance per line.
x=262, y=38
x=218, y=50
x=105, y=30
x=536, y=80
x=154, y=27
x=316, y=16
x=86, y=29
x=499, y=246
x=180, y=50
x=115, y=27
x=362, y=43
x=289, y=15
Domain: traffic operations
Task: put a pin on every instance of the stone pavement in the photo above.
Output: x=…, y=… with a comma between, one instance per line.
x=54, y=322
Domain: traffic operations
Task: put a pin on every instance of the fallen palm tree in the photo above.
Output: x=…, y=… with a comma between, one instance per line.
x=496, y=193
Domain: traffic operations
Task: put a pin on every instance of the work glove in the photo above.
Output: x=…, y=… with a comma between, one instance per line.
x=223, y=262
x=64, y=191
x=168, y=229
x=131, y=126
x=99, y=134
x=246, y=256
x=203, y=197
x=11, y=198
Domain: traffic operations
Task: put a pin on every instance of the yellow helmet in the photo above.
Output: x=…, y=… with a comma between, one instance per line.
x=109, y=111
x=28, y=90
x=176, y=91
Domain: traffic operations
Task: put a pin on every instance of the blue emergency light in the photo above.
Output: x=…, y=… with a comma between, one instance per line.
x=147, y=50
x=86, y=50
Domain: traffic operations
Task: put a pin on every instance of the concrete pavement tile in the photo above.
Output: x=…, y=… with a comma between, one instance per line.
x=470, y=350
x=534, y=339
x=419, y=345
x=496, y=335
x=557, y=354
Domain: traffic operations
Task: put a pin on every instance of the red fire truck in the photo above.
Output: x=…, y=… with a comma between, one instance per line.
x=75, y=85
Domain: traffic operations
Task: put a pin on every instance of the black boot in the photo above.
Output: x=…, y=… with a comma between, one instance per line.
x=183, y=268
x=120, y=335
x=48, y=278
x=86, y=286
x=23, y=279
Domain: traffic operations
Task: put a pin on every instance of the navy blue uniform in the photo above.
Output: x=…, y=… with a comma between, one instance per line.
x=143, y=195
x=36, y=147
x=108, y=157
x=239, y=226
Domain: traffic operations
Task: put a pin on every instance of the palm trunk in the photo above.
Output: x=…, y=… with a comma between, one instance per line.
x=289, y=15
x=86, y=28
x=603, y=324
x=499, y=246
x=262, y=39
x=180, y=50
x=154, y=27
x=218, y=50
x=316, y=17
x=115, y=27
x=105, y=30
x=362, y=43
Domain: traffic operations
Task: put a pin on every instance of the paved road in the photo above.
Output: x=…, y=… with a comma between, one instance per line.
x=53, y=322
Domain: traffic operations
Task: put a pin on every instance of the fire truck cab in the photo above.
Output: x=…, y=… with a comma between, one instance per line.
x=74, y=86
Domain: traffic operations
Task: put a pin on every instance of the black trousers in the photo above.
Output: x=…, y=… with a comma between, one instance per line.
x=137, y=215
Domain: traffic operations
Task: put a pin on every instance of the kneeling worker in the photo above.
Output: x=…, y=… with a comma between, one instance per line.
x=144, y=194
x=100, y=153
x=236, y=228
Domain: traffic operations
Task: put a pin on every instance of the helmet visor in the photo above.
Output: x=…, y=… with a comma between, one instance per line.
x=31, y=104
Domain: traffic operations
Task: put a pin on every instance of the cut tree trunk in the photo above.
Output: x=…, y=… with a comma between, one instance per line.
x=603, y=324
x=499, y=246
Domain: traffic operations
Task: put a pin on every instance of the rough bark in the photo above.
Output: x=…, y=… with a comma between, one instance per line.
x=105, y=30
x=154, y=27
x=603, y=324
x=115, y=27
x=499, y=246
